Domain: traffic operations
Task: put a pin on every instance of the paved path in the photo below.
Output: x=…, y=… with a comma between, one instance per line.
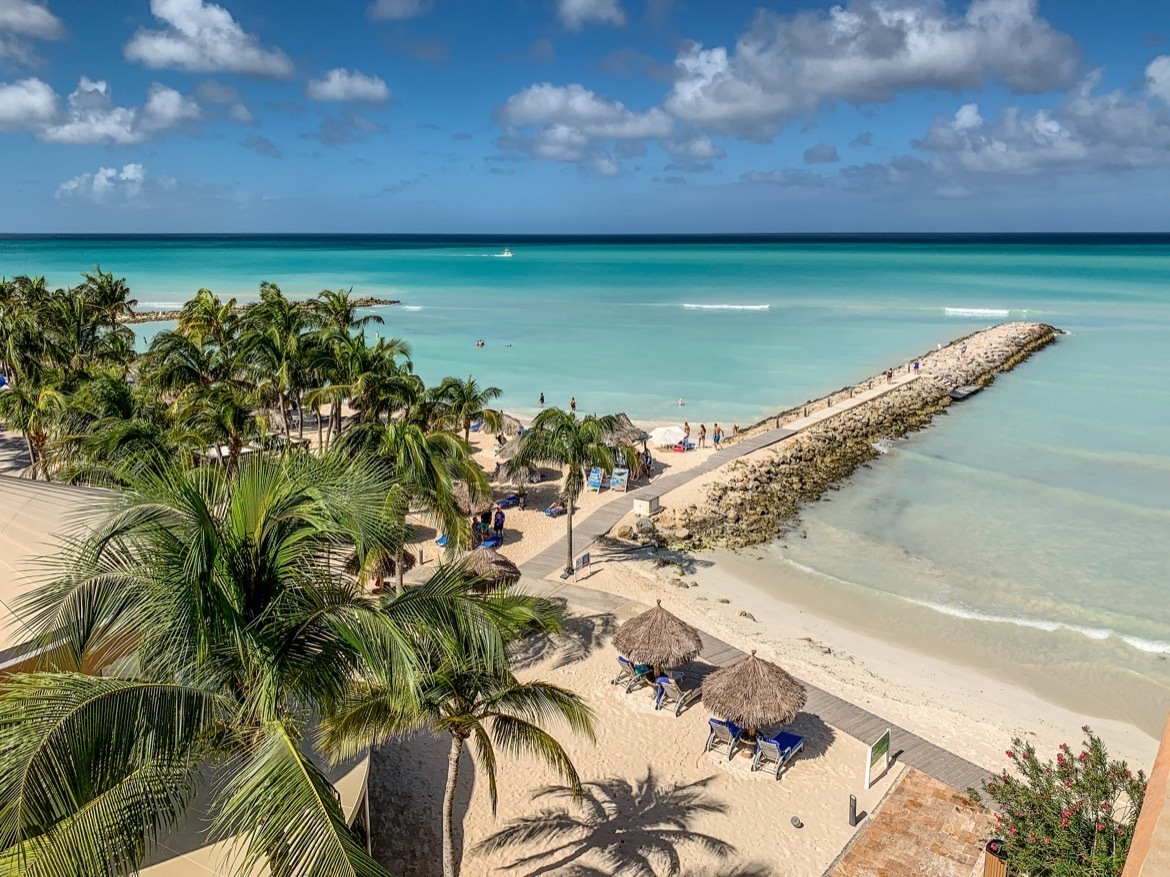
x=956, y=772
x=944, y=766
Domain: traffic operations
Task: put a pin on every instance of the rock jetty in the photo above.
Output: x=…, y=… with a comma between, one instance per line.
x=757, y=498
x=164, y=316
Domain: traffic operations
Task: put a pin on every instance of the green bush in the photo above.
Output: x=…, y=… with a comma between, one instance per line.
x=1072, y=817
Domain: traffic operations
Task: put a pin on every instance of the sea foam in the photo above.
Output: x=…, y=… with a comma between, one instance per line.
x=976, y=312
x=726, y=307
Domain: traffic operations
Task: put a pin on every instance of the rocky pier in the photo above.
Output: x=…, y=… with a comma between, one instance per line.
x=164, y=316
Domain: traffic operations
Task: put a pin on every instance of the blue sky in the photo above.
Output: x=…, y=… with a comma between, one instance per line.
x=584, y=116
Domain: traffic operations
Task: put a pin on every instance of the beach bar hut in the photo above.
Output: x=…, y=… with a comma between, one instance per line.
x=487, y=568
x=754, y=693
x=658, y=638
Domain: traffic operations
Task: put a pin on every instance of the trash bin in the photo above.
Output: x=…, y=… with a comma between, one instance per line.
x=994, y=859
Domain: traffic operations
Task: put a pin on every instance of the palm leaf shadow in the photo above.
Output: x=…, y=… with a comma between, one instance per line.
x=581, y=637
x=618, y=827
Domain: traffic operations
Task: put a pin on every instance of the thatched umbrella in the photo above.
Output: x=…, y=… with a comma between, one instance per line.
x=753, y=693
x=658, y=638
x=466, y=504
x=382, y=565
x=625, y=432
x=490, y=568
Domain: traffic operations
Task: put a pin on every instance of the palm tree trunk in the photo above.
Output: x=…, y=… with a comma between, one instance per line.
x=320, y=436
x=399, y=572
x=450, y=866
x=300, y=418
x=569, y=528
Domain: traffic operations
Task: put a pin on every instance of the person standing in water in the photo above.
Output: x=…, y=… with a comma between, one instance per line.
x=542, y=400
x=573, y=404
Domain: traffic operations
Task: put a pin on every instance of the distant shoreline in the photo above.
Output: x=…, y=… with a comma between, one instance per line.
x=173, y=314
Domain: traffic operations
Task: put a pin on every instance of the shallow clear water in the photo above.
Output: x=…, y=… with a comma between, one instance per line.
x=1027, y=529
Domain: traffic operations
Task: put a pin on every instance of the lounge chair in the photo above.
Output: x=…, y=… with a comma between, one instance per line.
x=477, y=426
x=511, y=502
x=633, y=675
x=442, y=541
x=555, y=512
x=672, y=691
x=723, y=732
x=492, y=542
x=780, y=749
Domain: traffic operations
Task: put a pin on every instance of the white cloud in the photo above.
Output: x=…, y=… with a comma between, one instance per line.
x=24, y=20
x=785, y=178
x=788, y=66
x=397, y=10
x=92, y=117
x=1158, y=79
x=212, y=92
x=108, y=184
x=698, y=148
x=572, y=124
x=340, y=84
x=27, y=103
x=203, y=37
x=1085, y=133
x=577, y=13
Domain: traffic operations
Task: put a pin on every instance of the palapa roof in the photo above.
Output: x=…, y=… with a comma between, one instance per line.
x=753, y=693
x=626, y=433
x=658, y=638
x=491, y=568
x=382, y=565
x=466, y=504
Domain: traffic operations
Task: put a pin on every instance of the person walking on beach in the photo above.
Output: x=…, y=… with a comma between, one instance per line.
x=702, y=435
x=542, y=400
x=686, y=434
x=573, y=404
x=716, y=436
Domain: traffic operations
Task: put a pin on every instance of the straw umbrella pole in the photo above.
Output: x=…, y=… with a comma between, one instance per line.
x=754, y=693
x=658, y=638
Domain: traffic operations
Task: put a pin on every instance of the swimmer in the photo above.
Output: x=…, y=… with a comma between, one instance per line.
x=681, y=403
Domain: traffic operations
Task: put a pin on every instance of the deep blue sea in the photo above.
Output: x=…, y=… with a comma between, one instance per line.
x=1029, y=529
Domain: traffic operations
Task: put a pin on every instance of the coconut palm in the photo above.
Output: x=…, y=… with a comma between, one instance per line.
x=559, y=438
x=110, y=298
x=336, y=312
x=468, y=695
x=217, y=585
x=274, y=336
x=33, y=409
x=462, y=402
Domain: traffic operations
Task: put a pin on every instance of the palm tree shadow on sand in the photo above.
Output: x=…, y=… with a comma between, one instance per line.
x=581, y=637
x=618, y=828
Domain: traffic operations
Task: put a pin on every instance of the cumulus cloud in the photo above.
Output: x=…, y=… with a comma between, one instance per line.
x=340, y=85
x=1158, y=79
x=397, y=10
x=22, y=21
x=108, y=184
x=573, y=124
x=575, y=14
x=822, y=153
x=217, y=93
x=1087, y=132
x=204, y=38
x=788, y=66
x=696, y=147
x=89, y=115
x=347, y=128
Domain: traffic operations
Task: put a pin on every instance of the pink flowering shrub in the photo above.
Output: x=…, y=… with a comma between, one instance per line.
x=1072, y=817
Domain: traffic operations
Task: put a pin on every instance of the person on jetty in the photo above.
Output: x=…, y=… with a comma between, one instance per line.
x=702, y=435
x=716, y=436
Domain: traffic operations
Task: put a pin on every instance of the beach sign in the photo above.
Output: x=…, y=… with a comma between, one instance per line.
x=594, y=480
x=581, y=563
x=878, y=752
x=620, y=480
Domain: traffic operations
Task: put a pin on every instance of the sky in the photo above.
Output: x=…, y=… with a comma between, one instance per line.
x=584, y=116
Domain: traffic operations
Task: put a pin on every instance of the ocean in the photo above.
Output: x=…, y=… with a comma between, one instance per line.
x=1025, y=532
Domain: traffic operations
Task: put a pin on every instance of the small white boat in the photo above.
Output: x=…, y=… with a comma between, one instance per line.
x=507, y=254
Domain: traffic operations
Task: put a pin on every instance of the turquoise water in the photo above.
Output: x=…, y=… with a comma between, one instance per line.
x=1028, y=529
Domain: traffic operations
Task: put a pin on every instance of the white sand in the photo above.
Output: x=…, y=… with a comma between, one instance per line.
x=649, y=784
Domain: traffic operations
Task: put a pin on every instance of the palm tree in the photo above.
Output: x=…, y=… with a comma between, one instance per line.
x=337, y=314
x=462, y=402
x=33, y=409
x=426, y=465
x=274, y=336
x=559, y=438
x=217, y=585
x=469, y=695
x=109, y=297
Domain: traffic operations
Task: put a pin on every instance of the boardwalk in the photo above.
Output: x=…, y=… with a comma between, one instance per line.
x=946, y=767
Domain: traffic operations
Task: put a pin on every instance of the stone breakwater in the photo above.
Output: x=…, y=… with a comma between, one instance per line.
x=758, y=498
x=164, y=316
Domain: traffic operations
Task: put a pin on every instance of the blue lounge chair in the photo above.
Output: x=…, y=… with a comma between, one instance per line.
x=780, y=749
x=673, y=691
x=442, y=541
x=555, y=513
x=477, y=426
x=492, y=542
x=723, y=732
x=633, y=675
x=511, y=502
